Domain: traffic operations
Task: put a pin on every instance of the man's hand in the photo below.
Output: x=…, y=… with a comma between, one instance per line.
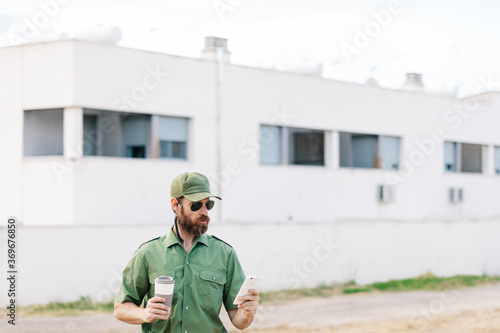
x=243, y=316
x=250, y=303
x=132, y=314
x=155, y=309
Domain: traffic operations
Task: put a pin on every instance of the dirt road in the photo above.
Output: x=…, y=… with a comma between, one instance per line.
x=468, y=310
x=453, y=311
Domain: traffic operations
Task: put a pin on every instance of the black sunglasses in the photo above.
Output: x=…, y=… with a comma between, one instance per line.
x=198, y=204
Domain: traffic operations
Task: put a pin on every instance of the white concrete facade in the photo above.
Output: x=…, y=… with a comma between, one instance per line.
x=70, y=262
x=111, y=198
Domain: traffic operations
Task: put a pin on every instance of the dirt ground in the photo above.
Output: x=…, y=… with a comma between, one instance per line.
x=465, y=322
x=471, y=310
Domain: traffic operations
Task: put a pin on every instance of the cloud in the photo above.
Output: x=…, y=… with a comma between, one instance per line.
x=447, y=41
x=6, y=21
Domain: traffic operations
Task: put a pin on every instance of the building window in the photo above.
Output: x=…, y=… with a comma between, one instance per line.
x=135, y=134
x=270, y=143
x=43, y=132
x=472, y=158
x=119, y=134
x=463, y=157
x=108, y=133
x=450, y=156
x=389, y=152
x=173, y=136
x=307, y=147
x=90, y=135
x=369, y=151
x=497, y=160
x=136, y=151
x=295, y=146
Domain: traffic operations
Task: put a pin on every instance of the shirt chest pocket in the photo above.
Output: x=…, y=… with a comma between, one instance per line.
x=211, y=288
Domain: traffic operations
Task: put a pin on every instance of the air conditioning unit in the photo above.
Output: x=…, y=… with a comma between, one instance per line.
x=385, y=193
x=456, y=194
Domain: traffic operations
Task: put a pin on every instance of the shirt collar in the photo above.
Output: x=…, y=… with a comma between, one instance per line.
x=172, y=239
x=203, y=238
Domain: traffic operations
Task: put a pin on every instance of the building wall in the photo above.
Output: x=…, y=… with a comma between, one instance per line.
x=337, y=107
x=11, y=134
x=74, y=261
x=47, y=74
x=82, y=217
x=105, y=77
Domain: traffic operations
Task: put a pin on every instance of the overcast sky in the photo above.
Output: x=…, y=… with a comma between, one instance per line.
x=452, y=43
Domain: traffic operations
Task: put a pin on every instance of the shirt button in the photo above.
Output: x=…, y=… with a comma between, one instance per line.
x=214, y=277
x=187, y=307
x=187, y=284
x=187, y=262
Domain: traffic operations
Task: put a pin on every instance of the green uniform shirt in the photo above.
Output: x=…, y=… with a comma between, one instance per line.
x=209, y=275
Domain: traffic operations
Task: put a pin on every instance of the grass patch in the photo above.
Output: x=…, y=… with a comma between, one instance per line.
x=432, y=282
x=83, y=306
x=356, y=290
x=424, y=282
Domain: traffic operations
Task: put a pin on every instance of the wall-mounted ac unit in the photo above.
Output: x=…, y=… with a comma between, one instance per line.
x=456, y=194
x=385, y=193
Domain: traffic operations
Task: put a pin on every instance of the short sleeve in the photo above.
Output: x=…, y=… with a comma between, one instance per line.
x=234, y=280
x=135, y=281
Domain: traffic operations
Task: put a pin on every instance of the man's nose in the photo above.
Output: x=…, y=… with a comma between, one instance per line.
x=203, y=209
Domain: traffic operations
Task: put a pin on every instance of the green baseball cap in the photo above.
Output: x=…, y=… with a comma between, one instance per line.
x=192, y=185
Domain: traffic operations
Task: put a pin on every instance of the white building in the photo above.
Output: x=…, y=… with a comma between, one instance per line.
x=322, y=181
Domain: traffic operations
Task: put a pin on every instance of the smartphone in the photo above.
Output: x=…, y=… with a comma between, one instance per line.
x=251, y=282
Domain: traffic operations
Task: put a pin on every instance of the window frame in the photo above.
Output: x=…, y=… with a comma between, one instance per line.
x=286, y=145
x=458, y=146
x=378, y=162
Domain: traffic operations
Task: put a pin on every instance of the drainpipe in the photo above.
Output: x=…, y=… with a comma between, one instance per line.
x=216, y=50
x=218, y=88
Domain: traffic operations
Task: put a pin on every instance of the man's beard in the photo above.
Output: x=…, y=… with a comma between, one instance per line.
x=192, y=227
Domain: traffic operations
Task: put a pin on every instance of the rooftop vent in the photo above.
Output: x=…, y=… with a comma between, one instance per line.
x=214, y=45
x=413, y=83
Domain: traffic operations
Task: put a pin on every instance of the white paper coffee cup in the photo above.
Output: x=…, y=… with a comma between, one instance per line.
x=164, y=287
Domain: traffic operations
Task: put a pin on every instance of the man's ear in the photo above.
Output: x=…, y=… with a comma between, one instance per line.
x=175, y=204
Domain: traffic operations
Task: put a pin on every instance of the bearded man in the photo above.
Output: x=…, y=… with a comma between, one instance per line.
x=206, y=271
